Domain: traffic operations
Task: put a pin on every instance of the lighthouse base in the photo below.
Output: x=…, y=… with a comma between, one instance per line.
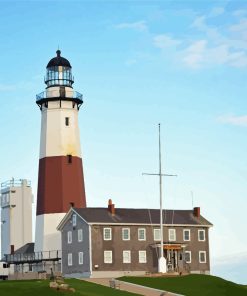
x=47, y=238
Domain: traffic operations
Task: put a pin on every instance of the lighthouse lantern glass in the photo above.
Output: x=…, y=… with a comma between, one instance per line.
x=59, y=76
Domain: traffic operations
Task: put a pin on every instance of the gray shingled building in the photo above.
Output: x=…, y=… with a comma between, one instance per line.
x=109, y=242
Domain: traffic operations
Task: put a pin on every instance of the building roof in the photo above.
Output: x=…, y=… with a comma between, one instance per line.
x=58, y=61
x=140, y=216
x=26, y=249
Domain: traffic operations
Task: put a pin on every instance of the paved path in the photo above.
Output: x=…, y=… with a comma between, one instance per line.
x=133, y=288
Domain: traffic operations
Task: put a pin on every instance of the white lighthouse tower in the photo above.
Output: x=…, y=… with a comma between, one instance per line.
x=61, y=181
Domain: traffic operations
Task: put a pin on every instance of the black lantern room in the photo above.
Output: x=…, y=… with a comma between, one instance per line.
x=59, y=72
x=59, y=81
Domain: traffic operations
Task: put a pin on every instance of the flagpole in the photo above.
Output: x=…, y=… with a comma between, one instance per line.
x=162, y=267
x=162, y=260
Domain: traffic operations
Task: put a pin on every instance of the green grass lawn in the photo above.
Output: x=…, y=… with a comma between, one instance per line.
x=191, y=285
x=37, y=288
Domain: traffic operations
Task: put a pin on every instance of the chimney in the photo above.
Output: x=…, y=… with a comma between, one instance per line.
x=71, y=204
x=196, y=212
x=12, y=249
x=111, y=207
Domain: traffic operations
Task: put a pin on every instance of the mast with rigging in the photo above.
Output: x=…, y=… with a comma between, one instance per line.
x=162, y=260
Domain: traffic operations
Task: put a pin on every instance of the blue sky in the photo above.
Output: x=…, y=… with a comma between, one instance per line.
x=138, y=63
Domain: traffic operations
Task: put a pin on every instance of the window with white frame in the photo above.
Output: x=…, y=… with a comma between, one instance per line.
x=80, y=257
x=107, y=256
x=172, y=235
x=201, y=235
x=74, y=220
x=141, y=234
x=70, y=262
x=126, y=234
x=157, y=234
x=202, y=257
x=107, y=233
x=142, y=257
x=126, y=257
x=187, y=256
x=69, y=235
x=80, y=235
x=186, y=234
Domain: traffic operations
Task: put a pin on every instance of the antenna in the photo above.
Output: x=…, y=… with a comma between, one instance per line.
x=162, y=260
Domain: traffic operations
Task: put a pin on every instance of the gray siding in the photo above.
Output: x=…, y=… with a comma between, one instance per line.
x=77, y=270
x=117, y=246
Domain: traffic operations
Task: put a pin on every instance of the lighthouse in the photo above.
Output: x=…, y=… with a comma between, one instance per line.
x=60, y=180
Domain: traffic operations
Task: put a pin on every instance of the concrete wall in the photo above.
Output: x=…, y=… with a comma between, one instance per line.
x=3, y=271
x=16, y=228
x=47, y=238
x=5, y=231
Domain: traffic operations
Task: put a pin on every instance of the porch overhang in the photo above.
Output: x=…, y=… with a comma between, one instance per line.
x=170, y=246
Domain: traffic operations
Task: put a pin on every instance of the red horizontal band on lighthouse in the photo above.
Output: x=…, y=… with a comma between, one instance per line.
x=61, y=184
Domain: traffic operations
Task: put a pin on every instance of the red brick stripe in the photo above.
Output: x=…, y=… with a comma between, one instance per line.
x=60, y=184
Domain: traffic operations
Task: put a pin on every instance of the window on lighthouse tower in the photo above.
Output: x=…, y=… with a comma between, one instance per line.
x=69, y=158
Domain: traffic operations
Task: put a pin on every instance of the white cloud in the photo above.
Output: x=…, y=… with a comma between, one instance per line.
x=233, y=120
x=201, y=54
x=217, y=49
x=216, y=11
x=194, y=54
x=238, y=59
x=138, y=26
x=164, y=41
x=214, y=45
x=200, y=24
x=240, y=29
x=240, y=12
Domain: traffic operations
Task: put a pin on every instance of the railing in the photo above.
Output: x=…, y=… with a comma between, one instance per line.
x=49, y=94
x=33, y=257
x=15, y=183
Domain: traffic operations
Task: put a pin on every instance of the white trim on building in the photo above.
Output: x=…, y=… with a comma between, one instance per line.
x=126, y=256
x=203, y=237
x=125, y=234
x=70, y=259
x=142, y=256
x=202, y=257
x=186, y=235
x=107, y=233
x=141, y=234
x=172, y=235
x=187, y=259
x=108, y=257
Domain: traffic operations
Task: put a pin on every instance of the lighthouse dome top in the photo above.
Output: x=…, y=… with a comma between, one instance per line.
x=58, y=61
